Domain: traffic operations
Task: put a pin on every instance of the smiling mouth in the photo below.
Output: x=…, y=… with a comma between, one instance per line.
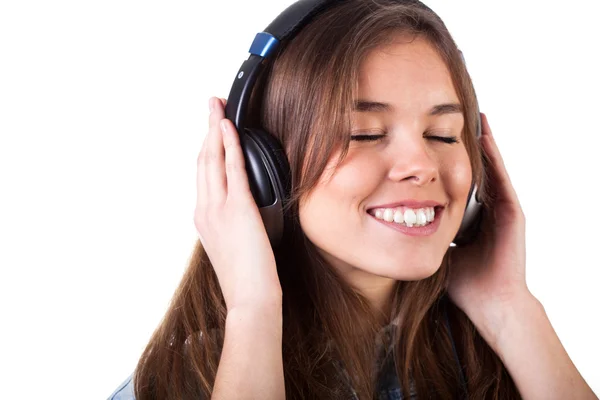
x=408, y=216
x=409, y=228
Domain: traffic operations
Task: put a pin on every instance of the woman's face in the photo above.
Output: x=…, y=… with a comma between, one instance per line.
x=401, y=88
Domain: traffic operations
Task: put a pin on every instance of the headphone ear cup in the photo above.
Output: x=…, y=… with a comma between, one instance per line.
x=275, y=156
x=471, y=223
x=269, y=179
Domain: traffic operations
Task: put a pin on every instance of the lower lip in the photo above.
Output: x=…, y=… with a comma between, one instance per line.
x=426, y=230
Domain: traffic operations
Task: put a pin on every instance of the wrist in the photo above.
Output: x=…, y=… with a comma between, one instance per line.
x=255, y=321
x=268, y=307
x=517, y=319
x=521, y=334
x=496, y=321
x=268, y=298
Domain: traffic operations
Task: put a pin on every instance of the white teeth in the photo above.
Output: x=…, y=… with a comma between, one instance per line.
x=398, y=217
x=430, y=214
x=388, y=215
x=421, y=217
x=406, y=216
x=410, y=217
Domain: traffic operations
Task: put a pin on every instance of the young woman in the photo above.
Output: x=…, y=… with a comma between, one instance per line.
x=364, y=297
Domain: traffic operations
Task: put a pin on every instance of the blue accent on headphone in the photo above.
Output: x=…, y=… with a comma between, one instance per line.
x=264, y=43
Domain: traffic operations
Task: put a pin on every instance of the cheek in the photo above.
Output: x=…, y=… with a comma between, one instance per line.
x=459, y=176
x=335, y=203
x=350, y=183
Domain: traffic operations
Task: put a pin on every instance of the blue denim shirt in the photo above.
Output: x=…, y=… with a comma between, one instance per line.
x=388, y=387
x=124, y=391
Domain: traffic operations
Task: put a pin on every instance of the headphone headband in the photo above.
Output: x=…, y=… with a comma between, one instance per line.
x=285, y=26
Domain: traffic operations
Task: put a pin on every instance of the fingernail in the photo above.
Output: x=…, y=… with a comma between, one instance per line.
x=211, y=105
x=223, y=126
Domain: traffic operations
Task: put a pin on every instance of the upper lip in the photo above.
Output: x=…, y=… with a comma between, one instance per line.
x=412, y=203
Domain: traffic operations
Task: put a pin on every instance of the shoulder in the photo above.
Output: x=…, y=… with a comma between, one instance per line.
x=124, y=391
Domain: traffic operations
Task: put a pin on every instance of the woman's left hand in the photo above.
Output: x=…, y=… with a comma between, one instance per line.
x=488, y=274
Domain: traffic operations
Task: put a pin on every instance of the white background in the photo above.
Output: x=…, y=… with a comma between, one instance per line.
x=103, y=109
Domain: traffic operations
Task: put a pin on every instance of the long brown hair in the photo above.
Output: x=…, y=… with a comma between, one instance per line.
x=306, y=96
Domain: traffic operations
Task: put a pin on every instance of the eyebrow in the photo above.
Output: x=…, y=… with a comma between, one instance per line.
x=375, y=106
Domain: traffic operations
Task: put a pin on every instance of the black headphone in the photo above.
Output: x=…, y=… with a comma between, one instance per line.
x=267, y=166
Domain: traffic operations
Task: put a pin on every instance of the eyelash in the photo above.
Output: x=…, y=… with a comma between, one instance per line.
x=372, y=138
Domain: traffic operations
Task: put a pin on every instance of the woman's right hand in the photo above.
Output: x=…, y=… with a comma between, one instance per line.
x=228, y=221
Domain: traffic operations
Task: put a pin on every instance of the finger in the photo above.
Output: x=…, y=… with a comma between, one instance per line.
x=505, y=191
x=485, y=126
x=237, y=178
x=215, y=157
x=223, y=101
x=201, y=190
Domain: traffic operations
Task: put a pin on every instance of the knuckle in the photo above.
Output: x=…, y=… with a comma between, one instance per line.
x=212, y=207
x=230, y=144
x=233, y=166
x=243, y=195
x=210, y=158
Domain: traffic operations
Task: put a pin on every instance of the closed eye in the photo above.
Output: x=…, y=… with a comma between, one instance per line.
x=366, y=138
x=449, y=140
x=372, y=138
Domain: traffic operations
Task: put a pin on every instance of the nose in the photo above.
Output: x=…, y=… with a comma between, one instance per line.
x=412, y=161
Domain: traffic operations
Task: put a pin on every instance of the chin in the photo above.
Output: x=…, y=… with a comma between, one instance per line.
x=411, y=270
x=417, y=275
x=414, y=274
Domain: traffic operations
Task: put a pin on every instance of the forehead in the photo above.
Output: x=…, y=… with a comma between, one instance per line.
x=408, y=73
